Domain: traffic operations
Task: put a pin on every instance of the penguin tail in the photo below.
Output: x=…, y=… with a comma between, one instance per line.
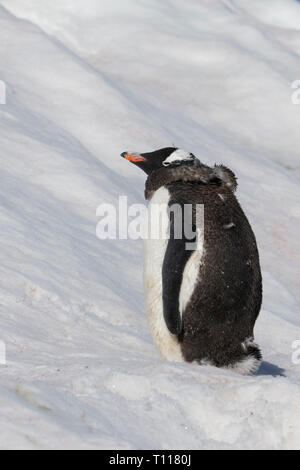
x=250, y=360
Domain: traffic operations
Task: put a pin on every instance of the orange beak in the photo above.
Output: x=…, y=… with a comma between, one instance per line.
x=135, y=158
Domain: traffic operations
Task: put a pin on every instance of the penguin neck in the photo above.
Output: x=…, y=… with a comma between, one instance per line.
x=165, y=176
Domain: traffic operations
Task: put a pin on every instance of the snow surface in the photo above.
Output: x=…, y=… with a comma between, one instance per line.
x=87, y=79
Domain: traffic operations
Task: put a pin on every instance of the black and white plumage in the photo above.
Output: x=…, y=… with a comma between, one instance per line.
x=202, y=304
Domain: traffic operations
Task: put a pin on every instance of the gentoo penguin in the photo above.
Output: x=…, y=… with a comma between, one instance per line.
x=202, y=303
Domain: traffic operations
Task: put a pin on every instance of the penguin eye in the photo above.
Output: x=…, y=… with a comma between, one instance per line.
x=166, y=163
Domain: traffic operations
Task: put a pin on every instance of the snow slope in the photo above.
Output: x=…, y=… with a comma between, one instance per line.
x=86, y=80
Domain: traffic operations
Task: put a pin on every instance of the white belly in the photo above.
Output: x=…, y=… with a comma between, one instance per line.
x=154, y=253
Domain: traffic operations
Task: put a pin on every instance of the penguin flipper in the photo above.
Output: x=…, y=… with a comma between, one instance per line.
x=175, y=260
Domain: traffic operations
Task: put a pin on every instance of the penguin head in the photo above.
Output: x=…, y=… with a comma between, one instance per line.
x=168, y=157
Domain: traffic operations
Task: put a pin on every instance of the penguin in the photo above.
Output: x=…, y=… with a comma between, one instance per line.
x=202, y=301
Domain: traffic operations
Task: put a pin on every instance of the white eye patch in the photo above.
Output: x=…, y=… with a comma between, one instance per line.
x=178, y=156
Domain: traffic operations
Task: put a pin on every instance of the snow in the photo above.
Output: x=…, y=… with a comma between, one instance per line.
x=86, y=80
